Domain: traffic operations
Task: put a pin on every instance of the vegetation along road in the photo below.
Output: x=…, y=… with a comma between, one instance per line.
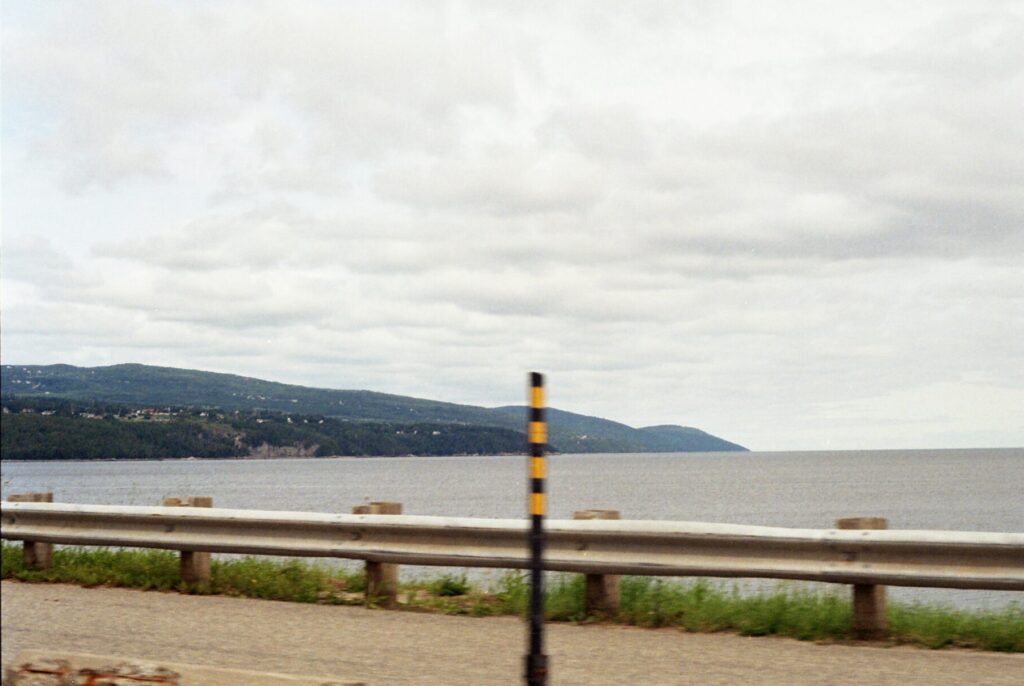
x=411, y=648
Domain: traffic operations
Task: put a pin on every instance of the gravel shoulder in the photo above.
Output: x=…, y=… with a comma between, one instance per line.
x=382, y=647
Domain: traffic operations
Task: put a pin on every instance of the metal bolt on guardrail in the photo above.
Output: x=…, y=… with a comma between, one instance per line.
x=381, y=577
x=36, y=555
x=195, y=564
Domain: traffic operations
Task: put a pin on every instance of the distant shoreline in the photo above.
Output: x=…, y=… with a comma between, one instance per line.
x=758, y=453
x=257, y=458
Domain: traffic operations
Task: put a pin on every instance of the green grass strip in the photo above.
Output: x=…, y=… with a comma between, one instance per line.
x=159, y=570
x=693, y=605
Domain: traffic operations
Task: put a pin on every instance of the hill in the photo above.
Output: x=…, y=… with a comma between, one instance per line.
x=578, y=433
x=45, y=428
x=149, y=386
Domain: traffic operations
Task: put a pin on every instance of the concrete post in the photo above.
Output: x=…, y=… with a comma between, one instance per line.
x=381, y=577
x=195, y=565
x=601, y=595
x=35, y=555
x=869, y=621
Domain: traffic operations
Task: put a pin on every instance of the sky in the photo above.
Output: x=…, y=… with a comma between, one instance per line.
x=793, y=225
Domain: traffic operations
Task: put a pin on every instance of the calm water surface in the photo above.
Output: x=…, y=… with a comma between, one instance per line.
x=977, y=490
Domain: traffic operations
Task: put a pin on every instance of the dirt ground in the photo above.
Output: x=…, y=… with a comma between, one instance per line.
x=382, y=647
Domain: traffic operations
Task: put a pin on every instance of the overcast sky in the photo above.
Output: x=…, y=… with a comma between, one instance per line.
x=794, y=225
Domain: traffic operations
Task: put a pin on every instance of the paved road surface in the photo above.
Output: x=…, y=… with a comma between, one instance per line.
x=391, y=648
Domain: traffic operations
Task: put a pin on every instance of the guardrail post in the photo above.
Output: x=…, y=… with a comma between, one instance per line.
x=195, y=564
x=381, y=577
x=601, y=594
x=869, y=620
x=36, y=555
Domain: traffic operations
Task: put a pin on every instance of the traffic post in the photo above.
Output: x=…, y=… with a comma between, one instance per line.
x=537, y=436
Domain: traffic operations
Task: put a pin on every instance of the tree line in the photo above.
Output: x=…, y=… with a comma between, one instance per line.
x=44, y=429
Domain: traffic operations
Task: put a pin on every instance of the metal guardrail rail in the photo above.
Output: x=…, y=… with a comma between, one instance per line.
x=946, y=559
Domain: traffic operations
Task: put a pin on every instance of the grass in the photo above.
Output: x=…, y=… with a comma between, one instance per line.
x=449, y=586
x=697, y=605
x=158, y=570
x=703, y=606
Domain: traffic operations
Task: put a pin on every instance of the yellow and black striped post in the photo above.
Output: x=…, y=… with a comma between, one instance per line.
x=537, y=435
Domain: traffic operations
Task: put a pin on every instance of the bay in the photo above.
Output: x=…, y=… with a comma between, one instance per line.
x=965, y=490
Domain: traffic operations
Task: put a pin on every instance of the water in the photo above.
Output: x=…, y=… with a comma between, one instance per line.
x=968, y=490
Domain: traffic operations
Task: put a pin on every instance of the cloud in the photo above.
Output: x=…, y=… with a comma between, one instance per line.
x=498, y=182
x=146, y=94
x=955, y=412
x=251, y=239
x=783, y=225
x=34, y=259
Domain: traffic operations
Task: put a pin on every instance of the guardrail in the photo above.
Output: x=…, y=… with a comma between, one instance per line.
x=865, y=558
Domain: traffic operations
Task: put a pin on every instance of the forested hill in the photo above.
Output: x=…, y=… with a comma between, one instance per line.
x=56, y=429
x=577, y=433
x=149, y=386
